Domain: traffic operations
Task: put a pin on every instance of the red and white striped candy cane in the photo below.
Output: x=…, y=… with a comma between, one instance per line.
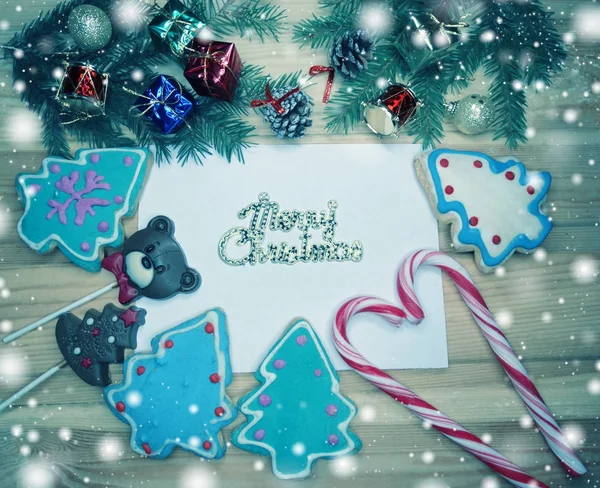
x=413, y=313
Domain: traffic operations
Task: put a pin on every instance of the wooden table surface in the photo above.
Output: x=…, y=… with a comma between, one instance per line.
x=63, y=435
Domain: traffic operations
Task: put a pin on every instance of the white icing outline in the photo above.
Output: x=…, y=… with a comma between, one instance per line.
x=81, y=161
x=213, y=316
x=258, y=414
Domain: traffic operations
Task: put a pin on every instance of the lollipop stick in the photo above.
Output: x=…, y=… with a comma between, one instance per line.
x=27, y=388
x=28, y=328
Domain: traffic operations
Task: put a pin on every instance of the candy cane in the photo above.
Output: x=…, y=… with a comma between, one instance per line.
x=413, y=313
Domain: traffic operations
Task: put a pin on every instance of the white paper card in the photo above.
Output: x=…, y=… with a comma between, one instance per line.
x=381, y=204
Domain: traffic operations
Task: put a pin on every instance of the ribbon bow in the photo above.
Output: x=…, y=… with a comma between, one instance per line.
x=276, y=103
x=316, y=70
x=114, y=263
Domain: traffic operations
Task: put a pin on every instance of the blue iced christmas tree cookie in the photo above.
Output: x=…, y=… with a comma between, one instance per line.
x=493, y=206
x=175, y=396
x=297, y=415
x=77, y=205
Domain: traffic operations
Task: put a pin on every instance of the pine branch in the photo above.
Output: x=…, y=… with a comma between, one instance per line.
x=342, y=7
x=53, y=133
x=247, y=18
x=322, y=31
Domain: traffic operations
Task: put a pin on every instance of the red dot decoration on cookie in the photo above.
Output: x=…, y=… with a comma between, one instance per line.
x=86, y=362
x=496, y=239
x=95, y=331
x=509, y=175
x=120, y=406
x=473, y=221
x=146, y=448
x=219, y=411
x=477, y=163
x=209, y=328
x=214, y=378
x=449, y=190
x=207, y=445
x=530, y=190
x=140, y=370
x=444, y=163
x=169, y=344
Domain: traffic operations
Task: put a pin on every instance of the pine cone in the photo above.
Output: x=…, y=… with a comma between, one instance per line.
x=349, y=52
x=295, y=120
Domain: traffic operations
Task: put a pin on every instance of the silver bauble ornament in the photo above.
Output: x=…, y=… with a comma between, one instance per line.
x=90, y=27
x=473, y=114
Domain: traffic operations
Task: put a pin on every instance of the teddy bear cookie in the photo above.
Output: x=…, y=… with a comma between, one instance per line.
x=494, y=207
x=176, y=395
x=152, y=264
x=297, y=414
x=78, y=205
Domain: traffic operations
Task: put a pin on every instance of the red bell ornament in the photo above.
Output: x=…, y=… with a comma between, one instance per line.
x=390, y=111
x=83, y=89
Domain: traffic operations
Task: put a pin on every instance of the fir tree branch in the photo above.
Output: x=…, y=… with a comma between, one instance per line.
x=322, y=31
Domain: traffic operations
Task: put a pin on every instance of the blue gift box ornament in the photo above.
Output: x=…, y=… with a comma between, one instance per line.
x=166, y=103
x=174, y=27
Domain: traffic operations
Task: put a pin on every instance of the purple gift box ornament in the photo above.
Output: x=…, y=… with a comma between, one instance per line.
x=213, y=69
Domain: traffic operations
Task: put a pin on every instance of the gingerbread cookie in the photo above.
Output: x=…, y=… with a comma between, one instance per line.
x=78, y=205
x=493, y=206
x=175, y=395
x=297, y=414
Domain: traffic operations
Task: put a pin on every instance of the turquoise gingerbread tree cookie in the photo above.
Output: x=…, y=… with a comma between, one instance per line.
x=176, y=395
x=297, y=415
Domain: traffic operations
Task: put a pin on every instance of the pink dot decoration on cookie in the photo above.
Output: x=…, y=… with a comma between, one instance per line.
x=214, y=378
x=140, y=370
x=169, y=344
x=264, y=400
x=118, y=199
x=301, y=340
x=449, y=190
x=127, y=160
x=209, y=328
x=333, y=440
x=473, y=221
x=94, y=158
x=259, y=435
x=509, y=175
x=318, y=373
x=85, y=247
x=530, y=190
x=331, y=410
x=207, y=445
x=444, y=163
x=477, y=163
x=219, y=411
x=279, y=364
x=35, y=189
x=55, y=168
x=120, y=406
x=103, y=226
x=146, y=448
x=496, y=239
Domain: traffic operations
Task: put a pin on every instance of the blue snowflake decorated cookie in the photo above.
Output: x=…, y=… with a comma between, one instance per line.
x=494, y=207
x=297, y=414
x=77, y=205
x=175, y=396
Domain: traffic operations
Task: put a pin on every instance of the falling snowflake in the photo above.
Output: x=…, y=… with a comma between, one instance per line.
x=110, y=448
x=12, y=366
x=570, y=115
x=197, y=477
x=526, y=422
x=16, y=430
x=258, y=465
x=344, y=467
x=593, y=387
x=23, y=126
x=504, y=318
x=368, y=413
x=37, y=474
x=574, y=434
x=584, y=270
x=428, y=457
x=576, y=179
x=33, y=436
x=64, y=434
x=490, y=482
x=431, y=483
x=487, y=438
